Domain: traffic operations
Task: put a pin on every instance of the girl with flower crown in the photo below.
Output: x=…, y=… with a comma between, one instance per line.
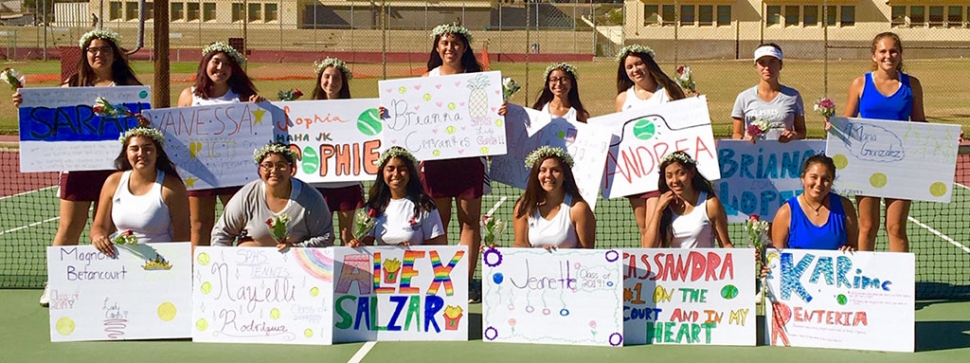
x=220, y=79
x=688, y=213
x=641, y=83
x=343, y=198
x=551, y=213
x=775, y=110
x=145, y=198
x=277, y=197
x=104, y=64
x=560, y=95
x=404, y=214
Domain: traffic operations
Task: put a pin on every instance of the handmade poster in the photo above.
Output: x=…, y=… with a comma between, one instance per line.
x=893, y=159
x=398, y=293
x=831, y=299
x=212, y=146
x=587, y=145
x=642, y=137
x=566, y=296
x=260, y=295
x=757, y=179
x=60, y=131
x=689, y=296
x=335, y=140
x=445, y=117
x=144, y=293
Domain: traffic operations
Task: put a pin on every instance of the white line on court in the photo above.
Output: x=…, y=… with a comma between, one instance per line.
x=37, y=223
x=940, y=234
x=962, y=186
x=28, y=192
x=362, y=352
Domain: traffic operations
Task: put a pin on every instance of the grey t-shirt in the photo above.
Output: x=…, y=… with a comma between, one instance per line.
x=780, y=112
x=311, y=224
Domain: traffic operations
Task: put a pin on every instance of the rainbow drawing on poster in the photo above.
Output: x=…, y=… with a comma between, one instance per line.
x=315, y=263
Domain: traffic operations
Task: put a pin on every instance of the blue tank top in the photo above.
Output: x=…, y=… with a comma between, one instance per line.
x=802, y=234
x=898, y=106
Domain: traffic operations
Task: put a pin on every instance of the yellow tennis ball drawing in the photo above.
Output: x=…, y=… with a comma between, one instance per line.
x=436, y=153
x=314, y=291
x=878, y=180
x=484, y=150
x=308, y=333
x=498, y=122
x=206, y=287
x=840, y=161
x=451, y=106
x=167, y=311
x=402, y=90
x=202, y=325
x=274, y=314
x=65, y=326
x=427, y=97
x=450, y=130
x=203, y=258
x=938, y=189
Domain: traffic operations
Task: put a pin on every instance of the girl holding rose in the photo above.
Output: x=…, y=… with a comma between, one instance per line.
x=769, y=110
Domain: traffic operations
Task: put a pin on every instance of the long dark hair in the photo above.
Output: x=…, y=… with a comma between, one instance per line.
x=380, y=193
x=899, y=45
x=699, y=183
x=468, y=60
x=239, y=82
x=545, y=96
x=162, y=162
x=121, y=73
x=529, y=200
x=343, y=94
x=623, y=81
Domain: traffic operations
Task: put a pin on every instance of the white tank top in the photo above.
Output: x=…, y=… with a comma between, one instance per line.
x=632, y=101
x=569, y=116
x=147, y=215
x=435, y=72
x=559, y=231
x=229, y=97
x=693, y=230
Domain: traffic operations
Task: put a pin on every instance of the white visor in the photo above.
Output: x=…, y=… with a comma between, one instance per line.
x=767, y=51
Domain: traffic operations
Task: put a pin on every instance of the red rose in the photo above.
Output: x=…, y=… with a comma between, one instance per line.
x=485, y=219
x=297, y=93
x=754, y=217
x=372, y=213
x=680, y=70
x=98, y=109
x=128, y=233
x=269, y=222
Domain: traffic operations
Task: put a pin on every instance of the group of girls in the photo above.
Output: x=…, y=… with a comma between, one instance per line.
x=411, y=200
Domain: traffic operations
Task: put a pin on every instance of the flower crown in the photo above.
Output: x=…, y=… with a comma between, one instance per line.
x=451, y=29
x=142, y=131
x=99, y=34
x=273, y=148
x=634, y=48
x=545, y=151
x=566, y=67
x=679, y=156
x=336, y=63
x=225, y=48
x=396, y=152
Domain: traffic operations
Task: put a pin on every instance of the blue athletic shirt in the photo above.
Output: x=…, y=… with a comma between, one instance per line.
x=874, y=105
x=802, y=234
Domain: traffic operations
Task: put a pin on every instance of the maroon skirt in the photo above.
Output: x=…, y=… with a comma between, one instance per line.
x=83, y=186
x=647, y=195
x=214, y=192
x=344, y=199
x=453, y=178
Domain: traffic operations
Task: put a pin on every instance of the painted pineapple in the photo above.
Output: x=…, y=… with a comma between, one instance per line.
x=478, y=100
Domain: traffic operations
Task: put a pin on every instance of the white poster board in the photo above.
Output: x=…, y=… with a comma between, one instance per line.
x=757, y=179
x=259, y=295
x=830, y=299
x=587, y=144
x=418, y=293
x=642, y=137
x=144, y=293
x=59, y=130
x=894, y=159
x=212, y=146
x=566, y=296
x=335, y=140
x=689, y=296
x=445, y=117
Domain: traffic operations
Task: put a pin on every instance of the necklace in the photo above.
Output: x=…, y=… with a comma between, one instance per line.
x=815, y=209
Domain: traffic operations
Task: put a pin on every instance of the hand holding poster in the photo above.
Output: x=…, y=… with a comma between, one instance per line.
x=335, y=140
x=213, y=145
x=445, y=117
x=566, y=296
x=893, y=159
x=831, y=299
x=642, y=137
x=141, y=294
x=59, y=129
x=680, y=296
x=760, y=178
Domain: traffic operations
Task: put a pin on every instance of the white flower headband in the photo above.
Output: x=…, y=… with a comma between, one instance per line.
x=273, y=148
x=545, y=151
x=143, y=131
x=634, y=48
x=225, y=48
x=565, y=67
x=679, y=156
x=451, y=29
x=336, y=63
x=396, y=152
x=99, y=34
